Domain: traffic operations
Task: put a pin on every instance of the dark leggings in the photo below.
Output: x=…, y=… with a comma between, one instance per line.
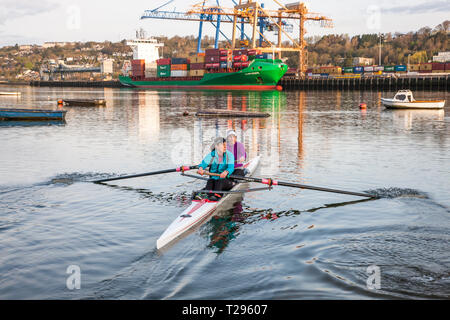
x=219, y=185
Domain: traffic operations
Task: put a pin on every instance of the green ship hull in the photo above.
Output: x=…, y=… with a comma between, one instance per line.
x=261, y=74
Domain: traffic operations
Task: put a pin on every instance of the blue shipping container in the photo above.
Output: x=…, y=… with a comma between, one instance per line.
x=223, y=65
x=264, y=56
x=179, y=61
x=400, y=68
x=358, y=69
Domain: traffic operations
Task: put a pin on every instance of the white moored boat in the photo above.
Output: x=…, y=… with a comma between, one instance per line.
x=404, y=100
x=199, y=211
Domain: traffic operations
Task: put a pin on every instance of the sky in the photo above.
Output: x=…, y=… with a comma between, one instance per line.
x=35, y=22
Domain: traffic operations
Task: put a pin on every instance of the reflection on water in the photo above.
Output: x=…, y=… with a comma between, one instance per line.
x=405, y=119
x=279, y=244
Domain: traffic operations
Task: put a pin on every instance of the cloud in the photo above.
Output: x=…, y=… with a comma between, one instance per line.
x=12, y=9
x=426, y=7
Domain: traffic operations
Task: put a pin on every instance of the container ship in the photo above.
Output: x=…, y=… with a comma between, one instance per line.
x=215, y=69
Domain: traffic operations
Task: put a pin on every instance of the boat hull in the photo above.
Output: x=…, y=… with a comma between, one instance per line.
x=260, y=75
x=31, y=115
x=198, y=212
x=394, y=104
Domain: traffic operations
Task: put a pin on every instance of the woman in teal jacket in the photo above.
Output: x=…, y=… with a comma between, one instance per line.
x=220, y=161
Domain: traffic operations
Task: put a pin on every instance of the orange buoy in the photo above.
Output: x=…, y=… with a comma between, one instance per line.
x=60, y=101
x=279, y=88
x=363, y=106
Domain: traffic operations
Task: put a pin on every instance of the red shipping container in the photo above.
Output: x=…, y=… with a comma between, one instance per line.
x=138, y=62
x=225, y=58
x=245, y=64
x=197, y=66
x=163, y=61
x=244, y=58
x=212, y=59
x=237, y=58
x=208, y=65
x=438, y=66
x=216, y=65
x=212, y=52
x=224, y=52
x=237, y=64
x=447, y=66
x=240, y=52
x=253, y=52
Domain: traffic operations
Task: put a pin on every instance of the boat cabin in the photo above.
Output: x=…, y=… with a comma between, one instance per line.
x=404, y=95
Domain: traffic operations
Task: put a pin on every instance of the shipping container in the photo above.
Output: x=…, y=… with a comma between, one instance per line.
x=264, y=56
x=400, y=68
x=212, y=59
x=197, y=66
x=150, y=74
x=245, y=64
x=164, y=67
x=163, y=61
x=240, y=52
x=223, y=65
x=163, y=74
x=197, y=59
x=253, y=52
x=225, y=52
x=414, y=67
x=178, y=73
x=426, y=67
x=368, y=69
x=138, y=62
x=237, y=64
x=225, y=58
x=447, y=66
x=347, y=70
x=212, y=52
x=178, y=67
x=438, y=66
x=358, y=69
x=389, y=68
x=378, y=68
x=179, y=61
x=196, y=73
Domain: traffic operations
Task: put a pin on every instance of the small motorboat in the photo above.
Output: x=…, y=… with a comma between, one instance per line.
x=84, y=102
x=8, y=114
x=404, y=100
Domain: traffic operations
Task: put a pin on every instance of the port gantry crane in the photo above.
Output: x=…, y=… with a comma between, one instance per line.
x=261, y=19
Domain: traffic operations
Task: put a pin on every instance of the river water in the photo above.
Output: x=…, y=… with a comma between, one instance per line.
x=280, y=244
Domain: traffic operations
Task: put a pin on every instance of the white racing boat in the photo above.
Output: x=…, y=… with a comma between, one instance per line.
x=404, y=100
x=199, y=211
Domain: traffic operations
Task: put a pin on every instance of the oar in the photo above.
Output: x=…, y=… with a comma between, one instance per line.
x=179, y=169
x=272, y=182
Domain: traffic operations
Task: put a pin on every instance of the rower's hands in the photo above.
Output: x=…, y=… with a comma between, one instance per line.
x=200, y=171
x=241, y=160
x=224, y=174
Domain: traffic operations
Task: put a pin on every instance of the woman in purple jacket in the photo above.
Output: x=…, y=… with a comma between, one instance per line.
x=238, y=151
